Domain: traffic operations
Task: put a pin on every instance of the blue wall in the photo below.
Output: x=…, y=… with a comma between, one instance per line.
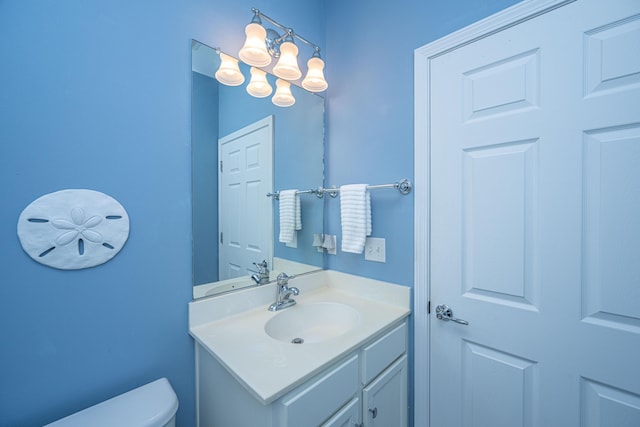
x=97, y=95
x=369, y=56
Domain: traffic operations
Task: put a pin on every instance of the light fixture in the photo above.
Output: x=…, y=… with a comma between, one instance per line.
x=229, y=73
x=287, y=66
x=254, y=52
x=263, y=43
x=260, y=46
x=314, y=80
x=283, y=96
x=258, y=85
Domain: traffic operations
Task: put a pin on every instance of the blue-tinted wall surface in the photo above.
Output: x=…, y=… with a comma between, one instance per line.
x=369, y=56
x=369, y=59
x=97, y=95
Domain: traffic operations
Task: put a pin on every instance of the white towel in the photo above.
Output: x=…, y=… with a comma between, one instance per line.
x=355, y=214
x=290, y=218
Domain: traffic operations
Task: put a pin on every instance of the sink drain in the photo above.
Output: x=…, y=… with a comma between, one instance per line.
x=297, y=341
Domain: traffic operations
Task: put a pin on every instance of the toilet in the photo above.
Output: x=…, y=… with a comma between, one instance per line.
x=152, y=405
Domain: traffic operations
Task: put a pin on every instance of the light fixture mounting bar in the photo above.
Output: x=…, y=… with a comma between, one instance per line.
x=287, y=30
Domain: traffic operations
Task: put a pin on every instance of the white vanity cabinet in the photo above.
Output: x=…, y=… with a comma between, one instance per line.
x=366, y=387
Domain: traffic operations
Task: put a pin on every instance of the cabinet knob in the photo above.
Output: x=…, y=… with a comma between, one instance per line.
x=373, y=412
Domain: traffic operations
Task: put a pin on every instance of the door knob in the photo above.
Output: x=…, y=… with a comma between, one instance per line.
x=443, y=312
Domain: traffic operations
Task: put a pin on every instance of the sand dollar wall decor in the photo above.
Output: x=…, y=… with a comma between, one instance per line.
x=73, y=229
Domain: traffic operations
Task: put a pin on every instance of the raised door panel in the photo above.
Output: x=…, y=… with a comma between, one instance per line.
x=485, y=404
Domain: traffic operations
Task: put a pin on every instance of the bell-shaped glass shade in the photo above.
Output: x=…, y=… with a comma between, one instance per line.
x=283, y=96
x=254, y=52
x=287, y=66
x=314, y=80
x=229, y=73
x=259, y=86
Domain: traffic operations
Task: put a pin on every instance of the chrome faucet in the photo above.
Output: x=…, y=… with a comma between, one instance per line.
x=262, y=275
x=283, y=293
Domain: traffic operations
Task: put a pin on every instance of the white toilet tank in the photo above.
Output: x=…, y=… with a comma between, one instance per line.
x=152, y=405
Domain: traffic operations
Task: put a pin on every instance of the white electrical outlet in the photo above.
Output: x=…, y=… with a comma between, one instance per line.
x=374, y=249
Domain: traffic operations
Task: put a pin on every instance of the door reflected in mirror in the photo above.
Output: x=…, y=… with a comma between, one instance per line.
x=243, y=148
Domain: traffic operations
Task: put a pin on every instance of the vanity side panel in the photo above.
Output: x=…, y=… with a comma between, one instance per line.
x=222, y=401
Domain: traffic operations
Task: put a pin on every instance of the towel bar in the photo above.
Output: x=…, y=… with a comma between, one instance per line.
x=276, y=194
x=403, y=186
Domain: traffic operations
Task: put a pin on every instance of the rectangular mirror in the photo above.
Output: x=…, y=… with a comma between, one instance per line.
x=243, y=148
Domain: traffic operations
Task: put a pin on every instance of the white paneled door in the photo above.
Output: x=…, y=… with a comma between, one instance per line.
x=245, y=213
x=534, y=194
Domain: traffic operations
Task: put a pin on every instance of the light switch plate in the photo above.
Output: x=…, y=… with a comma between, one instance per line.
x=374, y=249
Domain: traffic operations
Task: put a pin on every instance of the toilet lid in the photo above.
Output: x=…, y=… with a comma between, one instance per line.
x=151, y=405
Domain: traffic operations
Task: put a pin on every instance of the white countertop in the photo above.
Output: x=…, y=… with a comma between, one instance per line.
x=231, y=328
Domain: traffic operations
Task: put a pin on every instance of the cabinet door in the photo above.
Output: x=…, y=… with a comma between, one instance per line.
x=348, y=416
x=385, y=399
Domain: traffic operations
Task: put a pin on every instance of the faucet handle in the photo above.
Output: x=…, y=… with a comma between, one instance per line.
x=283, y=279
x=262, y=267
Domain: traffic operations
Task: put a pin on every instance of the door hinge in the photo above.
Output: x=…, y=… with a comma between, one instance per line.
x=429, y=307
x=221, y=238
x=220, y=166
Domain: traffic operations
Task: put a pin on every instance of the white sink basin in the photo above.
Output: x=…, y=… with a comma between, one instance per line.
x=312, y=323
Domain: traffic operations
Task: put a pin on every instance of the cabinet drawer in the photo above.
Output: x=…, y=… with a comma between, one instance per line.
x=381, y=353
x=317, y=400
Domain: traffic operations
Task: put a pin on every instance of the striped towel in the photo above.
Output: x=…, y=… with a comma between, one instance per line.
x=290, y=218
x=355, y=215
